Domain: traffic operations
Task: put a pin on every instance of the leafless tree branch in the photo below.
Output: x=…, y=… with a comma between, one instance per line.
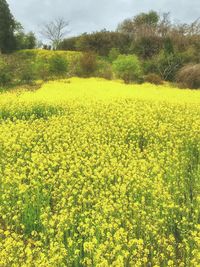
x=55, y=31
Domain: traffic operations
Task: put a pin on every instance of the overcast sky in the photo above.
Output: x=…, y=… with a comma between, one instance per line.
x=92, y=15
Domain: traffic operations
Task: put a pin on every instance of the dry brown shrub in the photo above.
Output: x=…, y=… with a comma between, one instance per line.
x=189, y=76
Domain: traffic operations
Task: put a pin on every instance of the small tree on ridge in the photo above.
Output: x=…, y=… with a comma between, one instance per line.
x=55, y=31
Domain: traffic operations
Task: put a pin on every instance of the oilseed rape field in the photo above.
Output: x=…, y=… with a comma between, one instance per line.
x=98, y=173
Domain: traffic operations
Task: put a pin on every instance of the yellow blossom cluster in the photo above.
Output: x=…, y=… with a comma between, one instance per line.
x=98, y=173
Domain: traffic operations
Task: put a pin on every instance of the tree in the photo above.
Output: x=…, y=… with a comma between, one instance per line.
x=31, y=40
x=7, y=27
x=127, y=67
x=55, y=31
x=23, y=40
x=147, y=47
x=102, y=42
x=88, y=64
x=151, y=19
x=164, y=26
x=142, y=25
x=68, y=44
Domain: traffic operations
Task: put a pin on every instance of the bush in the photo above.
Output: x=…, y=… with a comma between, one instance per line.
x=74, y=66
x=28, y=73
x=168, y=65
x=150, y=66
x=113, y=54
x=128, y=68
x=88, y=64
x=191, y=55
x=5, y=77
x=5, y=74
x=189, y=76
x=153, y=78
x=104, y=70
x=42, y=68
x=58, y=65
x=165, y=65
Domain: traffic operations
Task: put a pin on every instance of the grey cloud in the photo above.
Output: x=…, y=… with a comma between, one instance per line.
x=91, y=15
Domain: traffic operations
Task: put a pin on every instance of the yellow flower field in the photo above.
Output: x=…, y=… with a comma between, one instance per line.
x=98, y=173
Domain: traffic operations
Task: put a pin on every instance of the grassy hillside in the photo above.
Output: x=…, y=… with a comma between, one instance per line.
x=98, y=173
x=47, y=54
x=26, y=67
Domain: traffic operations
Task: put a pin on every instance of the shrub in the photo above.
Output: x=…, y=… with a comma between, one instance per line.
x=168, y=65
x=153, y=78
x=128, y=68
x=165, y=65
x=74, y=66
x=58, y=65
x=150, y=66
x=113, y=54
x=5, y=74
x=42, y=68
x=28, y=73
x=104, y=70
x=88, y=64
x=189, y=76
x=191, y=55
x=27, y=54
x=5, y=78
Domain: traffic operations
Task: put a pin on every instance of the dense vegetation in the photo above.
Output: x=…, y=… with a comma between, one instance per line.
x=29, y=66
x=7, y=26
x=12, y=35
x=98, y=173
x=162, y=47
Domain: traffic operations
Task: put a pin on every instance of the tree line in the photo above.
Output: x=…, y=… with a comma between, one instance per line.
x=145, y=34
x=165, y=50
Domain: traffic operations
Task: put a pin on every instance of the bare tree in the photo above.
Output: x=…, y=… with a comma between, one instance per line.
x=194, y=28
x=55, y=31
x=164, y=25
